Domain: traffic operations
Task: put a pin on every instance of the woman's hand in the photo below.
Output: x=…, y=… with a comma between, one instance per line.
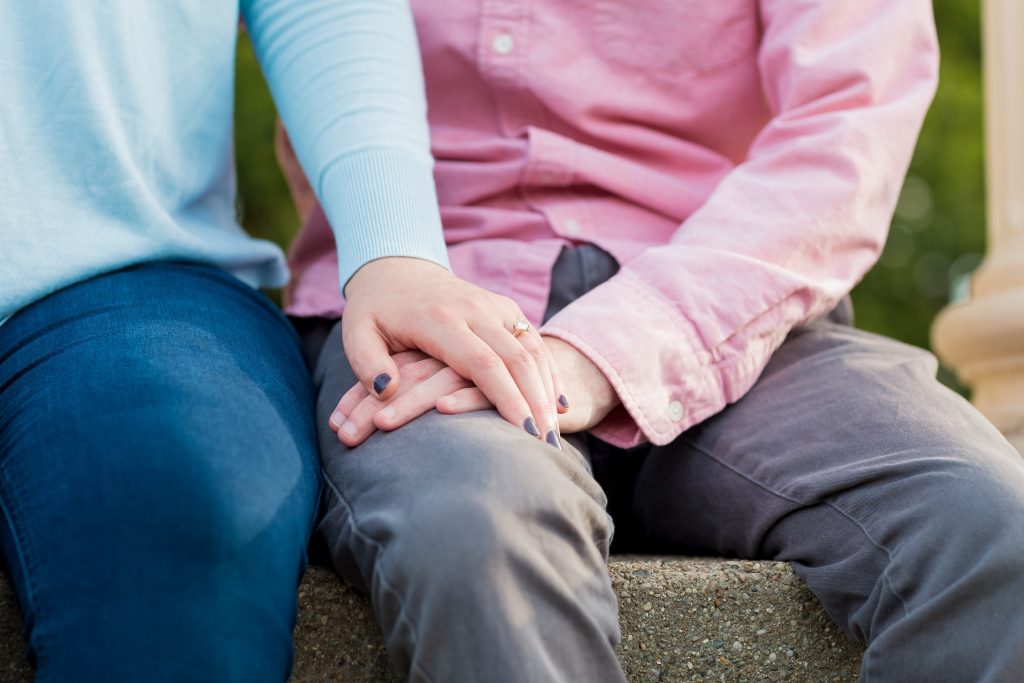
x=427, y=384
x=399, y=304
x=593, y=395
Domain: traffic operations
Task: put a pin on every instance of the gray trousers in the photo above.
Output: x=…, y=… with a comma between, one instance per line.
x=484, y=550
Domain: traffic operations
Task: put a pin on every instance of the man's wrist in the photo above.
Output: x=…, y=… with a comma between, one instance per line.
x=585, y=386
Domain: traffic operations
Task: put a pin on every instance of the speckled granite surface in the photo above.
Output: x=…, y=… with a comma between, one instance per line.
x=682, y=620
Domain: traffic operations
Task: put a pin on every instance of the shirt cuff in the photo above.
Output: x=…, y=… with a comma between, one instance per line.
x=652, y=356
x=382, y=202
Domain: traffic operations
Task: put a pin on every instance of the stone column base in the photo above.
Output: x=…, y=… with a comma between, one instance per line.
x=983, y=340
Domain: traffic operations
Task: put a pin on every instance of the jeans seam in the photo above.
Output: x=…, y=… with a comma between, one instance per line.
x=403, y=616
x=884, y=576
x=23, y=559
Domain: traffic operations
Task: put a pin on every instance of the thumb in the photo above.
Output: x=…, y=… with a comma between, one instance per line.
x=370, y=358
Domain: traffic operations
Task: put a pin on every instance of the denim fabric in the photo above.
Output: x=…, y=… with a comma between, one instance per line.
x=158, y=477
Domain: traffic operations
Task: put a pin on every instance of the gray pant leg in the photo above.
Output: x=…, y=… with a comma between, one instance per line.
x=901, y=507
x=484, y=550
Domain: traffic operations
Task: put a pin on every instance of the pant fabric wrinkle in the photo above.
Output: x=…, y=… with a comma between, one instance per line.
x=846, y=458
x=379, y=574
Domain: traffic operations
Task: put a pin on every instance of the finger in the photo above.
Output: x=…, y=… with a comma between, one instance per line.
x=359, y=425
x=527, y=375
x=546, y=366
x=471, y=357
x=355, y=422
x=466, y=400
x=358, y=392
x=346, y=405
x=415, y=373
x=533, y=343
x=418, y=400
x=561, y=402
x=370, y=358
x=407, y=357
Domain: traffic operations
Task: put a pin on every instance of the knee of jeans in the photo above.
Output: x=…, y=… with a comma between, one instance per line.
x=211, y=502
x=211, y=470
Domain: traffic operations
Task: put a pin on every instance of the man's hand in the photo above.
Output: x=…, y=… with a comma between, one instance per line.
x=422, y=381
x=401, y=304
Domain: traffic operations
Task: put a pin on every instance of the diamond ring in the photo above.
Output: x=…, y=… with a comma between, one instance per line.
x=519, y=327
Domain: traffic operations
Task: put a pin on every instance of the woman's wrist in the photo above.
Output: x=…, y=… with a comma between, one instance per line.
x=373, y=273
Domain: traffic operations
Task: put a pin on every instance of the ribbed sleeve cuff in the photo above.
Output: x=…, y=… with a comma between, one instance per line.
x=382, y=202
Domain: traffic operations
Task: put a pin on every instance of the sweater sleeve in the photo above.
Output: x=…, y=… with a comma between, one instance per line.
x=785, y=235
x=347, y=81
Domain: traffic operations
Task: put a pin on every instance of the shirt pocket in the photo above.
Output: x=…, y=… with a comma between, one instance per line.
x=661, y=40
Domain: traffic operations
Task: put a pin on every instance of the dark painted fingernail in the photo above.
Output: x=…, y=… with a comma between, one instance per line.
x=563, y=401
x=552, y=439
x=381, y=382
x=531, y=426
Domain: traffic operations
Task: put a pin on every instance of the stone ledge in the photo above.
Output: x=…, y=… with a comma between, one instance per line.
x=682, y=620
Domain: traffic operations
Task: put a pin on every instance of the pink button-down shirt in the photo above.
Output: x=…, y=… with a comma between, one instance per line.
x=740, y=158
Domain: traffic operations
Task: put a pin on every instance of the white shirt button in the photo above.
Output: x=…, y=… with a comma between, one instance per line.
x=675, y=411
x=503, y=44
x=572, y=227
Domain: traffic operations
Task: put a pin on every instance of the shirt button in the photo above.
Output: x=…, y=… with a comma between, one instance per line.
x=675, y=411
x=503, y=43
x=572, y=227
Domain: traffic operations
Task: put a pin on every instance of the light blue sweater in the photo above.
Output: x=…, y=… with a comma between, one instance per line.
x=116, y=134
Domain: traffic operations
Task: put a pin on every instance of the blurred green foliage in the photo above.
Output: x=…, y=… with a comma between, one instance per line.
x=937, y=235
x=264, y=202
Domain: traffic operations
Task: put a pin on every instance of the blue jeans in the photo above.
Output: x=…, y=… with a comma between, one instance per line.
x=158, y=477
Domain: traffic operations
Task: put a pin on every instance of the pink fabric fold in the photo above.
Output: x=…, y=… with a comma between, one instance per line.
x=740, y=159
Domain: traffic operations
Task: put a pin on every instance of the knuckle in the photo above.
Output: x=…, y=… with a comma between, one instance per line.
x=471, y=302
x=440, y=314
x=417, y=372
x=520, y=358
x=454, y=378
x=359, y=359
x=485, y=360
x=408, y=357
x=508, y=303
x=529, y=343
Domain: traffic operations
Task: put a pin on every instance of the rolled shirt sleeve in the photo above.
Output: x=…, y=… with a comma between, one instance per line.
x=685, y=329
x=347, y=80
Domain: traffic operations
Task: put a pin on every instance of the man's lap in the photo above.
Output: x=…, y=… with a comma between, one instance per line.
x=841, y=419
x=835, y=409
x=834, y=404
x=890, y=495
